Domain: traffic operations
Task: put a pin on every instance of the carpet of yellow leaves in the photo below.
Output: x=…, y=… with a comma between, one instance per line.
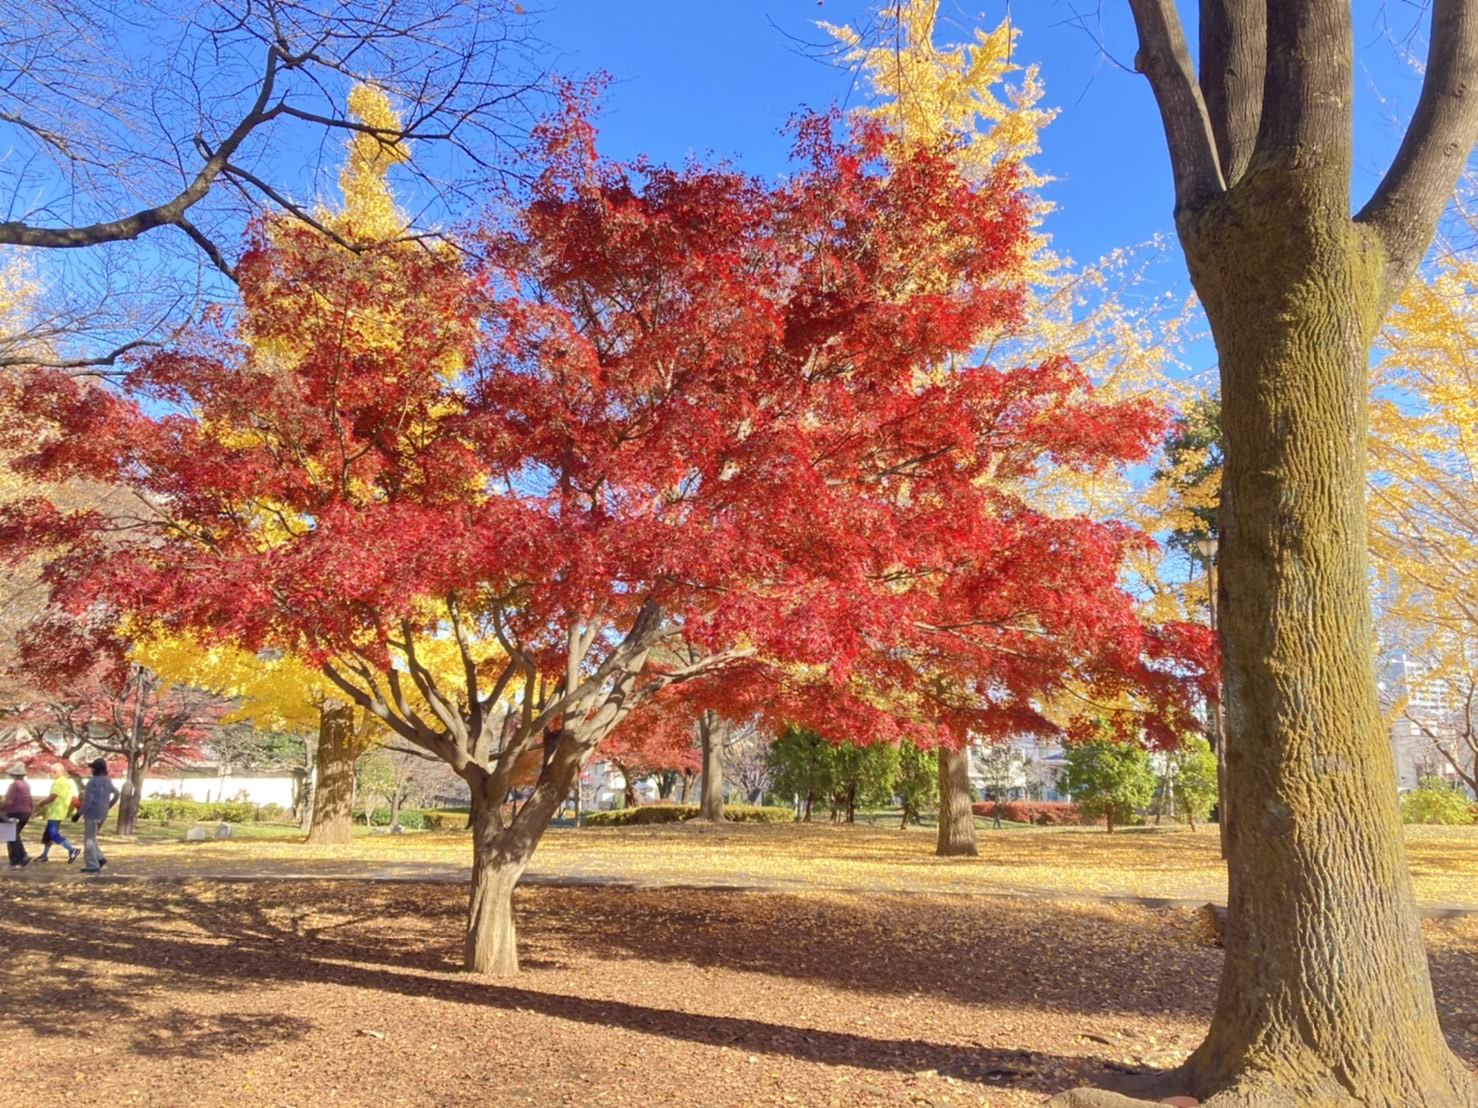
x=1160, y=863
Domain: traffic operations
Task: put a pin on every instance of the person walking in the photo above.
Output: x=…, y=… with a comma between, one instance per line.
x=53, y=808
x=97, y=798
x=18, y=810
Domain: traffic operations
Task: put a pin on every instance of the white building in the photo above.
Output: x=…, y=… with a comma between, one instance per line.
x=1025, y=768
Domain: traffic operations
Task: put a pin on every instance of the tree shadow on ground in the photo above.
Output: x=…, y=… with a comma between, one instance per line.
x=202, y=939
x=192, y=948
x=971, y=950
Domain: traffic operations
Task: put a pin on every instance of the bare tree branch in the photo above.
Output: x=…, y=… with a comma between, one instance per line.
x=169, y=213
x=227, y=108
x=1405, y=207
x=1165, y=59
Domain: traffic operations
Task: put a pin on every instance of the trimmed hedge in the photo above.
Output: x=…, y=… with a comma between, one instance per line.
x=183, y=809
x=1043, y=813
x=412, y=819
x=444, y=819
x=676, y=813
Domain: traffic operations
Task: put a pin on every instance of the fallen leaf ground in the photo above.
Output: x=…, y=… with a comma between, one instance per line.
x=1162, y=863
x=314, y=992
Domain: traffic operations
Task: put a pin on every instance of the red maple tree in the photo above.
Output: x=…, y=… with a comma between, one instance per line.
x=88, y=700
x=659, y=407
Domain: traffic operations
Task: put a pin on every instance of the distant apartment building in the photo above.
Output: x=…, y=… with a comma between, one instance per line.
x=1421, y=713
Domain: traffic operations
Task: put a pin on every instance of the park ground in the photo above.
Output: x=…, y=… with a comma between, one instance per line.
x=663, y=965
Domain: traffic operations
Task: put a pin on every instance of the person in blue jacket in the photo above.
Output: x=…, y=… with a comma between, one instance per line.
x=97, y=798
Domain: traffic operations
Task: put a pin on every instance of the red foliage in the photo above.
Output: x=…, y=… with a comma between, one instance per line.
x=1043, y=813
x=661, y=404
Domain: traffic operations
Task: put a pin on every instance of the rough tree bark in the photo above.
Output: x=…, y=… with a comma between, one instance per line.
x=712, y=731
x=1325, y=998
x=500, y=854
x=956, y=820
x=333, y=794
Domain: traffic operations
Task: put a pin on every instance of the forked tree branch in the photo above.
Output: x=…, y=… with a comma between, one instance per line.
x=173, y=211
x=1416, y=189
x=1165, y=59
x=1233, y=55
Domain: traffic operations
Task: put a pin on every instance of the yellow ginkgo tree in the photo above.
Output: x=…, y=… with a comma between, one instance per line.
x=1423, y=508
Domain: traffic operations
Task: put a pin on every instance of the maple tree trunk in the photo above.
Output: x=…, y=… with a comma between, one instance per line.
x=500, y=855
x=498, y=860
x=1325, y=997
x=628, y=794
x=333, y=794
x=956, y=820
x=711, y=797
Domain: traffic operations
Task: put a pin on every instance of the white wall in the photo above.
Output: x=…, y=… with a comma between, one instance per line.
x=260, y=790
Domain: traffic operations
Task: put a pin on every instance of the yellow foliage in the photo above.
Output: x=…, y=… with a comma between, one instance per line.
x=1424, y=485
x=277, y=693
x=370, y=213
x=932, y=94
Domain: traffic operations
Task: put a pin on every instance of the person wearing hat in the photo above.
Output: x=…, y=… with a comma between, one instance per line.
x=97, y=798
x=18, y=811
x=53, y=808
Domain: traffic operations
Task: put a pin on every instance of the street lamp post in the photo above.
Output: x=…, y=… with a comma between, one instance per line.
x=1215, y=731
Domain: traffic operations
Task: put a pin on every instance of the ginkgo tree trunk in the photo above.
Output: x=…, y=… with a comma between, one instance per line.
x=1325, y=997
x=342, y=738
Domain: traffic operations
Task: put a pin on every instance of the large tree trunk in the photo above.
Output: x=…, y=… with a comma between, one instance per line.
x=333, y=794
x=1325, y=997
x=956, y=820
x=711, y=731
x=498, y=861
x=500, y=855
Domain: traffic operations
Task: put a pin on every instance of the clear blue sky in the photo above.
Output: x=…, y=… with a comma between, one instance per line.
x=722, y=77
